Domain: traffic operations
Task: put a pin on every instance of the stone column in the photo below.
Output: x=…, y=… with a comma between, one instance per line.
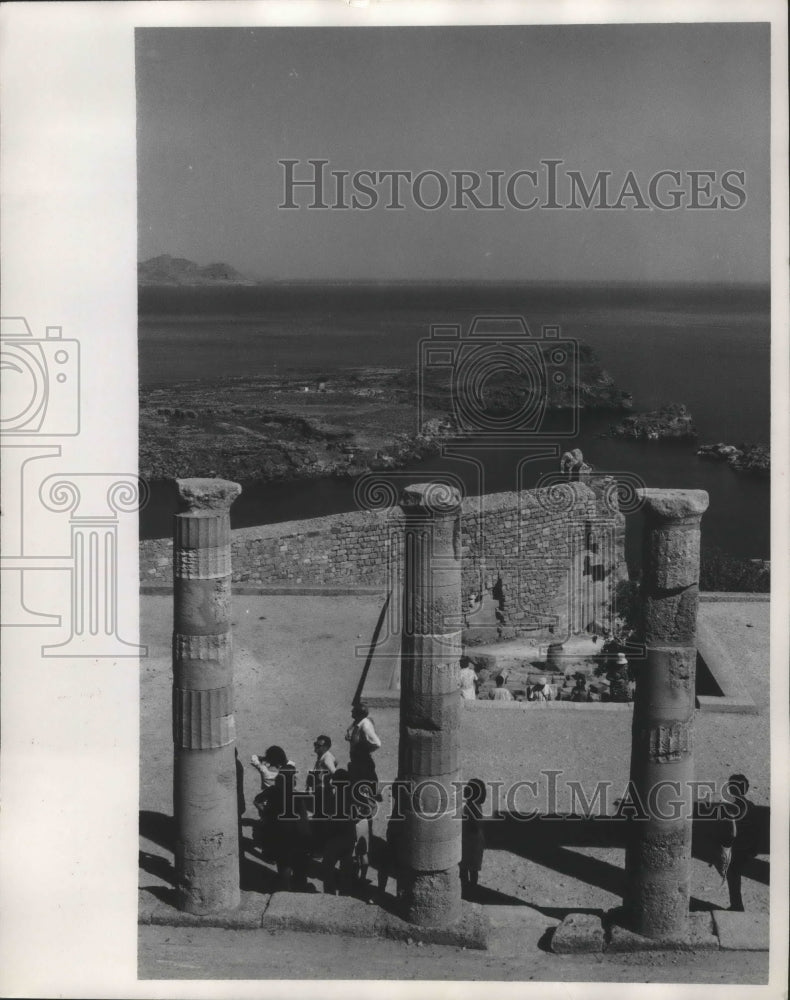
x=204, y=772
x=658, y=857
x=430, y=845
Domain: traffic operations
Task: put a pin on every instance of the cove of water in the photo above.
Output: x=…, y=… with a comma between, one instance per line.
x=706, y=347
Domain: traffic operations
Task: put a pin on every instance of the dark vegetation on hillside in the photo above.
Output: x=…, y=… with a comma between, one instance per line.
x=720, y=571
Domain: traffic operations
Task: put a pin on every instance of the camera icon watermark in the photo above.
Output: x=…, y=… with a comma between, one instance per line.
x=41, y=402
x=41, y=381
x=499, y=380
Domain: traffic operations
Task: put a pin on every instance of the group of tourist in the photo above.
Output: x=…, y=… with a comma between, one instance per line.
x=617, y=687
x=331, y=818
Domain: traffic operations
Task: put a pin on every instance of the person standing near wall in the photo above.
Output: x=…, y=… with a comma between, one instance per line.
x=340, y=834
x=472, y=836
x=274, y=800
x=579, y=692
x=541, y=691
x=500, y=692
x=467, y=680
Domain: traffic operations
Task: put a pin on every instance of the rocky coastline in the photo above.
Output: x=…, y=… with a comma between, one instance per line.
x=309, y=426
x=751, y=459
x=670, y=422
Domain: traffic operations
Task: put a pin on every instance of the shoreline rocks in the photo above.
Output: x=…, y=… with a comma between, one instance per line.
x=670, y=422
x=317, y=426
x=753, y=459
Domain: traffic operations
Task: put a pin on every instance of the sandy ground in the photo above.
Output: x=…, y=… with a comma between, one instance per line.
x=744, y=629
x=210, y=953
x=295, y=675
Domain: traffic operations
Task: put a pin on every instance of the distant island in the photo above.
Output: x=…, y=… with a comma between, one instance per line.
x=167, y=270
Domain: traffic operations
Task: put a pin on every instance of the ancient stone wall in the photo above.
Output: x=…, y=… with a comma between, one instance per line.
x=533, y=552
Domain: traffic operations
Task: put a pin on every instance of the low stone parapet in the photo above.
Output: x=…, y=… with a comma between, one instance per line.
x=523, y=540
x=547, y=706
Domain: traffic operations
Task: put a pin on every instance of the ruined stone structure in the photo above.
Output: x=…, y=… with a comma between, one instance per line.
x=204, y=769
x=430, y=722
x=658, y=856
x=538, y=543
x=433, y=536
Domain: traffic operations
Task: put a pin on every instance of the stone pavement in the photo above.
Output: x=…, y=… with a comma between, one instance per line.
x=733, y=638
x=296, y=668
x=492, y=927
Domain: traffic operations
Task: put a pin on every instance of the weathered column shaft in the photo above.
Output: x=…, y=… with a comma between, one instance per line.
x=204, y=771
x=658, y=857
x=428, y=752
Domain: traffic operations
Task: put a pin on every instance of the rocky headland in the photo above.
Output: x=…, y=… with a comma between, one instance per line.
x=318, y=425
x=168, y=270
x=754, y=459
x=670, y=422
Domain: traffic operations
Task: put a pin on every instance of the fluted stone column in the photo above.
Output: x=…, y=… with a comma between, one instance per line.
x=658, y=857
x=430, y=845
x=204, y=773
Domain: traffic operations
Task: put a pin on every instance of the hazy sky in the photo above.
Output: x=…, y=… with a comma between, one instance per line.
x=217, y=109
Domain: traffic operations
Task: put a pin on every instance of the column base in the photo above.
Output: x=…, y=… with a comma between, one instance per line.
x=206, y=887
x=697, y=934
x=431, y=899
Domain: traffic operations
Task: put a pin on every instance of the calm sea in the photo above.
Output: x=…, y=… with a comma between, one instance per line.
x=707, y=347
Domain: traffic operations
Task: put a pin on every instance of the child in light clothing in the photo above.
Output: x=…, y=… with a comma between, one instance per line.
x=318, y=776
